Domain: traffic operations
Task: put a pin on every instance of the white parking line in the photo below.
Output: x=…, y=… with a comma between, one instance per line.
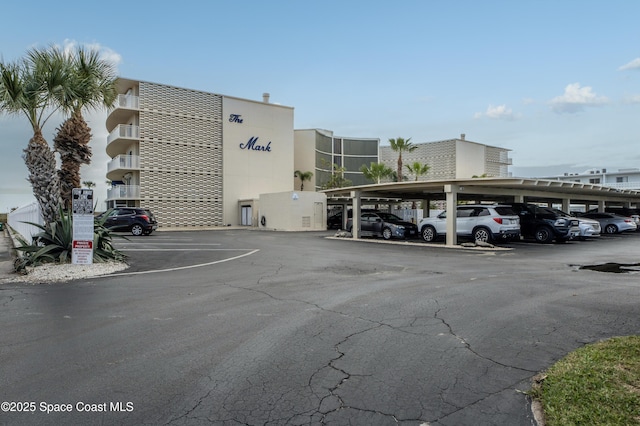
x=184, y=267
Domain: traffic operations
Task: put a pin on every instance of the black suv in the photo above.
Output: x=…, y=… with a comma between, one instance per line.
x=545, y=224
x=136, y=220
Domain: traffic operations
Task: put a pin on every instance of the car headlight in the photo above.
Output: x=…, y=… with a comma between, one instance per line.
x=400, y=227
x=561, y=222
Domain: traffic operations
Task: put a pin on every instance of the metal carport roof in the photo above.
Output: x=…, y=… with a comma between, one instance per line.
x=482, y=189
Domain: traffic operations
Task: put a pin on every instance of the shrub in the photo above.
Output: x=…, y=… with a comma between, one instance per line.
x=53, y=244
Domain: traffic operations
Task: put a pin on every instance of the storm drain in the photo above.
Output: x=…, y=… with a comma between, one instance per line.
x=615, y=268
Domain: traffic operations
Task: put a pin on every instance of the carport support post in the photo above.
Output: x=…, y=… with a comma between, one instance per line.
x=355, y=214
x=566, y=205
x=600, y=205
x=451, y=192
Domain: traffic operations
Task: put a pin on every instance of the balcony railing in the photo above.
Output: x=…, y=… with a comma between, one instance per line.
x=124, y=162
x=127, y=131
x=124, y=192
x=128, y=101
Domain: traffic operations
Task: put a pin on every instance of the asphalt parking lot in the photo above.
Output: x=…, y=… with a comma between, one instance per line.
x=256, y=328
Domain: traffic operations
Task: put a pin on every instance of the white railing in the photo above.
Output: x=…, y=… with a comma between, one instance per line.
x=123, y=192
x=29, y=213
x=128, y=101
x=126, y=162
x=128, y=131
x=622, y=185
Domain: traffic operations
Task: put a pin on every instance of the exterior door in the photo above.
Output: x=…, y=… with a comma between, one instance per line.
x=247, y=216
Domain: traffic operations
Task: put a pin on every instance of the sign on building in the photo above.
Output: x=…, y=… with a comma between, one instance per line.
x=82, y=207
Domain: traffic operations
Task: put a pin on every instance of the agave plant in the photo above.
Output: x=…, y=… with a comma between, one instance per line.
x=53, y=244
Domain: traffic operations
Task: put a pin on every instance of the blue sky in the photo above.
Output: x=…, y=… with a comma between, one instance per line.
x=556, y=82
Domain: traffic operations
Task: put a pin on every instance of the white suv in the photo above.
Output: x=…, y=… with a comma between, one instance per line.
x=480, y=222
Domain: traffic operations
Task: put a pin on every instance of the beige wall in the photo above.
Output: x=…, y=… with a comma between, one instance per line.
x=294, y=211
x=470, y=159
x=304, y=156
x=251, y=172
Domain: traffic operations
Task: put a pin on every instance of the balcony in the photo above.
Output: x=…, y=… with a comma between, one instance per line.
x=124, y=107
x=122, y=163
x=123, y=192
x=121, y=137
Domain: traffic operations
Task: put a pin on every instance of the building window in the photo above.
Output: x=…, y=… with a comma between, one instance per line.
x=622, y=179
x=595, y=180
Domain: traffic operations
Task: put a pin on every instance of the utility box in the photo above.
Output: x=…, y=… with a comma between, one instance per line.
x=293, y=211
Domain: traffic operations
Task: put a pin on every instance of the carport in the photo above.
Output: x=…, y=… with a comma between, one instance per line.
x=498, y=190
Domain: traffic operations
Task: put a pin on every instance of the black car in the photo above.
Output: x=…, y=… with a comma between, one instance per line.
x=334, y=221
x=136, y=220
x=545, y=224
x=384, y=224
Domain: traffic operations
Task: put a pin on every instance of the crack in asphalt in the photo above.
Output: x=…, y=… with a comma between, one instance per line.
x=332, y=402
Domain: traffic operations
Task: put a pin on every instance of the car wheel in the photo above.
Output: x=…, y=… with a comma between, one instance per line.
x=482, y=234
x=428, y=233
x=136, y=230
x=610, y=229
x=544, y=235
x=386, y=233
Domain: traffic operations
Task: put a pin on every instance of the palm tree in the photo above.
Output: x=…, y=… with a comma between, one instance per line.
x=376, y=171
x=33, y=86
x=89, y=184
x=92, y=85
x=401, y=145
x=303, y=176
x=418, y=169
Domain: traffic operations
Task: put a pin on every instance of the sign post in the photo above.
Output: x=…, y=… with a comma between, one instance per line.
x=82, y=205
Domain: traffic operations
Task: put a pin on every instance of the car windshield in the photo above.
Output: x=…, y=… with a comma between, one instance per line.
x=388, y=217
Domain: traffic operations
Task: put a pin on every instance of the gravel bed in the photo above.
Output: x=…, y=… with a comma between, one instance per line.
x=51, y=273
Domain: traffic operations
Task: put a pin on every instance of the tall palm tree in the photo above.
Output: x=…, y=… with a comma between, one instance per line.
x=303, y=176
x=33, y=86
x=92, y=85
x=401, y=145
x=418, y=169
x=376, y=171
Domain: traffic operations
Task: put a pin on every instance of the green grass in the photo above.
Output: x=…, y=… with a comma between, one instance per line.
x=598, y=384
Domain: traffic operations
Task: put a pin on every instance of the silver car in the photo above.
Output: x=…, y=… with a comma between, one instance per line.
x=612, y=223
x=480, y=222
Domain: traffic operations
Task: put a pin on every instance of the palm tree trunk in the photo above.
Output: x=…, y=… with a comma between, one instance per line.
x=72, y=143
x=400, y=167
x=41, y=163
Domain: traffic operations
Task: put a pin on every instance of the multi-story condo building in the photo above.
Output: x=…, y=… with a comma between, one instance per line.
x=452, y=159
x=323, y=153
x=199, y=159
x=620, y=179
x=192, y=157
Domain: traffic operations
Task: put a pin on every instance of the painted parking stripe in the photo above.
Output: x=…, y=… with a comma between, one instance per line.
x=183, y=267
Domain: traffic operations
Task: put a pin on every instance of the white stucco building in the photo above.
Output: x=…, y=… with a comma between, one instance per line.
x=196, y=158
x=620, y=178
x=452, y=159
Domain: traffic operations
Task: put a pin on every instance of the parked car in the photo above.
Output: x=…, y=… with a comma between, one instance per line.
x=136, y=220
x=624, y=211
x=334, y=221
x=545, y=224
x=613, y=223
x=589, y=228
x=384, y=224
x=480, y=222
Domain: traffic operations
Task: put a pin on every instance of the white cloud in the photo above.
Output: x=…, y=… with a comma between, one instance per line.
x=632, y=99
x=633, y=65
x=576, y=98
x=500, y=112
x=106, y=53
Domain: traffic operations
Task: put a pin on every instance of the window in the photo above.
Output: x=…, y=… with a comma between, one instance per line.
x=621, y=179
x=595, y=180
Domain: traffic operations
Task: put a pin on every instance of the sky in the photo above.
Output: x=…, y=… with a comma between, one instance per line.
x=557, y=82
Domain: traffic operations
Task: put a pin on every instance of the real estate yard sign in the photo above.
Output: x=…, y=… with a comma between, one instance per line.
x=82, y=205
